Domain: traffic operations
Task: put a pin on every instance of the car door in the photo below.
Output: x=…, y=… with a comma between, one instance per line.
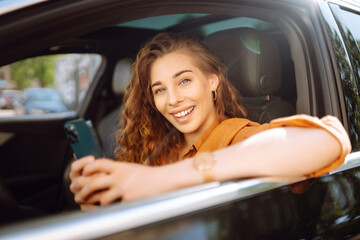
x=241, y=210
x=34, y=150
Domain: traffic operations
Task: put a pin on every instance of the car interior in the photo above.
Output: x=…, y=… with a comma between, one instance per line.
x=259, y=63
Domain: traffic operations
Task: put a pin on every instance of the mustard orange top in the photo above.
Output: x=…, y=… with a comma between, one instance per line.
x=223, y=133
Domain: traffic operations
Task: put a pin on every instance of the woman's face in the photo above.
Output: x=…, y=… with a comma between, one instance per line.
x=183, y=93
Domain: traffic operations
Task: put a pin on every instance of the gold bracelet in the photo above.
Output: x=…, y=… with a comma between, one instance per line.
x=204, y=162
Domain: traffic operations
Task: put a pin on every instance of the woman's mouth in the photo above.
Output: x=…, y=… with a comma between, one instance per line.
x=184, y=113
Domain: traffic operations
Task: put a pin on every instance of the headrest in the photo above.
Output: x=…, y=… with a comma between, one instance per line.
x=252, y=59
x=121, y=76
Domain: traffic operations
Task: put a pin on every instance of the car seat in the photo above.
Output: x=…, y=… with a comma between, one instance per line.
x=108, y=125
x=253, y=66
x=106, y=128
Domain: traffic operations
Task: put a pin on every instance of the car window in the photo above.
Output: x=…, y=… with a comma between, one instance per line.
x=46, y=84
x=349, y=65
x=351, y=33
x=352, y=21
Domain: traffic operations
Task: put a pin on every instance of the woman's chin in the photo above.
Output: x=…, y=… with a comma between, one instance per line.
x=187, y=128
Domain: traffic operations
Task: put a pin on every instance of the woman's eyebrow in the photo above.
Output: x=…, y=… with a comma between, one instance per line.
x=175, y=75
x=181, y=72
x=155, y=84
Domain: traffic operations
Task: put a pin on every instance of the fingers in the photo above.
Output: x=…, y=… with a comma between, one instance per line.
x=88, y=188
x=95, y=185
x=103, y=181
x=77, y=184
x=103, y=198
x=78, y=166
x=100, y=165
x=87, y=207
x=93, y=199
x=110, y=196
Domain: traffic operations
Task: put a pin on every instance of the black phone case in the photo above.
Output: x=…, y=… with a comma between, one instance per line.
x=83, y=138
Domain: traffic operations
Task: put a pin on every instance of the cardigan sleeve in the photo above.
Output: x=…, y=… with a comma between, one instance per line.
x=231, y=131
x=328, y=123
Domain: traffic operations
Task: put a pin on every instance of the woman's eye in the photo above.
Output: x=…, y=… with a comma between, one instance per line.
x=185, y=81
x=159, y=90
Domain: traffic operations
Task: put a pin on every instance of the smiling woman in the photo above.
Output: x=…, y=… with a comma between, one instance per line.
x=187, y=114
x=185, y=97
x=179, y=80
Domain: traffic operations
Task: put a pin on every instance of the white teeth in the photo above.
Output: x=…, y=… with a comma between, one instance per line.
x=184, y=113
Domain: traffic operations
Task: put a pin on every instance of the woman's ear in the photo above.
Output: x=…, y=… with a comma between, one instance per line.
x=214, y=82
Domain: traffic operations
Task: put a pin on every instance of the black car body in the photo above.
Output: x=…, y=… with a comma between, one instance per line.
x=317, y=45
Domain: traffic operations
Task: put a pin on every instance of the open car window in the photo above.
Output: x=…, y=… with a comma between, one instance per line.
x=85, y=67
x=46, y=84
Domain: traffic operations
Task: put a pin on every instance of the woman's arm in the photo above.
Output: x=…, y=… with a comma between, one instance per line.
x=279, y=152
x=286, y=151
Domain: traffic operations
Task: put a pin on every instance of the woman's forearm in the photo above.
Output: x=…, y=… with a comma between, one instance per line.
x=287, y=151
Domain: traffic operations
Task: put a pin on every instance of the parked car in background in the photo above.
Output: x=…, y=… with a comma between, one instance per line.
x=311, y=45
x=9, y=98
x=43, y=100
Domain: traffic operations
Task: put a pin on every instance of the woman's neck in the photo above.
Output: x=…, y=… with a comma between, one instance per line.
x=191, y=138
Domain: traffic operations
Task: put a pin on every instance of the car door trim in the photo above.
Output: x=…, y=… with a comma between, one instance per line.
x=125, y=216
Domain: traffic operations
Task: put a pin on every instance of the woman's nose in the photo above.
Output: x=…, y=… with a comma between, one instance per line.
x=174, y=97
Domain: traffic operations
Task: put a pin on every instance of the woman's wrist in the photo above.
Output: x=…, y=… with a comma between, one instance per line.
x=181, y=174
x=204, y=163
x=188, y=172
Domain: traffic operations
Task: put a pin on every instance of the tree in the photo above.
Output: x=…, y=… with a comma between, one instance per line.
x=32, y=71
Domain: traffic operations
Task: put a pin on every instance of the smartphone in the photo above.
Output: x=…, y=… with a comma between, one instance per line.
x=83, y=138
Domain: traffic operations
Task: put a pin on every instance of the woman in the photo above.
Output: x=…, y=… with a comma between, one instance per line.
x=183, y=126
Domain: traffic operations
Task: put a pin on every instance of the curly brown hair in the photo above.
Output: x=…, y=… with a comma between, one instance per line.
x=146, y=136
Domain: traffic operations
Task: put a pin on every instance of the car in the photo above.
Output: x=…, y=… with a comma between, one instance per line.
x=43, y=100
x=9, y=98
x=310, y=46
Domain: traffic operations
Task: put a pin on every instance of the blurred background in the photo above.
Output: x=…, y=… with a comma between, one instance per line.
x=46, y=84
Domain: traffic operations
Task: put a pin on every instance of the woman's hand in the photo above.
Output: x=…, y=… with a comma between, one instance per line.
x=105, y=181
x=78, y=181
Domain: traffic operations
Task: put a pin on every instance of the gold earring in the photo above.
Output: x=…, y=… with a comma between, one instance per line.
x=214, y=95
